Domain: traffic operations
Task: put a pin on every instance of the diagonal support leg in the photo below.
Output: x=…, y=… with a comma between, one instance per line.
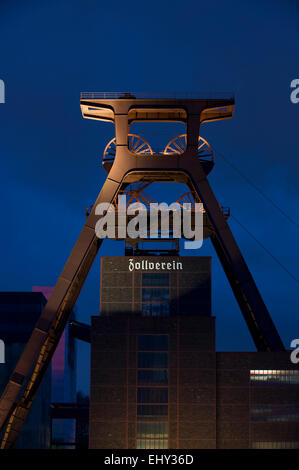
x=256, y=315
x=41, y=346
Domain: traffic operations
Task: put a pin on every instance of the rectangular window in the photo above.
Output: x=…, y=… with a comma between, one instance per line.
x=155, y=310
x=152, y=342
x=158, y=430
x=275, y=445
x=152, y=360
x=152, y=377
x=275, y=413
x=152, y=412
x=155, y=294
x=152, y=392
x=155, y=279
x=152, y=444
x=152, y=435
x=274, y=377
x=152, y=395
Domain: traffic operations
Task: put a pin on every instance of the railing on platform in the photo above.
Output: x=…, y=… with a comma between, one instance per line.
x=155, y=95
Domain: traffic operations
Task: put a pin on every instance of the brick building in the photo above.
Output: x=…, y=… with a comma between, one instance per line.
x=157, y=381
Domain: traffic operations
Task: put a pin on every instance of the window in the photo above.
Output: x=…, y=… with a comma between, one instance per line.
x=152, y=430
x=153, y=377
x=152, y=392
x=155, y=294
x=152, y=412
x=274, y=377
x=274, y=413
x=155, y=279
x=152, y=360
x=152, y=342
x=152, y=395
x=275, y=445
x=152, y=444
x=155, y=310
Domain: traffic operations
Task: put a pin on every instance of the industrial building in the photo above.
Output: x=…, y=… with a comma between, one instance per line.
x=19, y=312
x=157, y=381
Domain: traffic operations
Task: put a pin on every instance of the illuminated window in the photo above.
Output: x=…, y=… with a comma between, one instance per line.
x=275, y=445
x=152, y=444
x=272, y=377
x=157, y=430
x=275, y=413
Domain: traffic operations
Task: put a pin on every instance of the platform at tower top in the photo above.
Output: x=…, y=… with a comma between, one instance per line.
x=169, y=107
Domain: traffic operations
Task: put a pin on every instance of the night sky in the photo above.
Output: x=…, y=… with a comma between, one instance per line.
x=51, y=157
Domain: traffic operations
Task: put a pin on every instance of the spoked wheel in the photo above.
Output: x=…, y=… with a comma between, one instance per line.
x=136, y=196
x=189, y=198
x=136, y=145
x=178, y=145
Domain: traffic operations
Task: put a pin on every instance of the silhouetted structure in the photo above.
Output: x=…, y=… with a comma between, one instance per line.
x=63, y=367
x=19, y=312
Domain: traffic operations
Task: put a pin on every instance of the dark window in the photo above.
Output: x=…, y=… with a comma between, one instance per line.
x=152, y=395
x=152, y=412
x=155, y=279
x=154, y=377
x=152, y=360
x=155, y=310
x=152, y=342
x=155, y=294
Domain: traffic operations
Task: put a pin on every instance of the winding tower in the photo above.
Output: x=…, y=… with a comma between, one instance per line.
x=131, y=165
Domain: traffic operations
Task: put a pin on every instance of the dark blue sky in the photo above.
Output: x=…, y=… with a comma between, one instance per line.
x=51, y=157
